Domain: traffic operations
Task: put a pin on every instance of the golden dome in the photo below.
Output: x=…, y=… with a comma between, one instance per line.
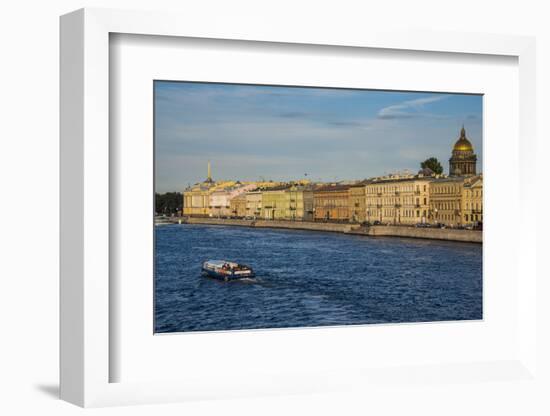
x=463, y=144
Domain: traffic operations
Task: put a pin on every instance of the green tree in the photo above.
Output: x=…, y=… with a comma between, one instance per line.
x=433, y=164
x=168, y=203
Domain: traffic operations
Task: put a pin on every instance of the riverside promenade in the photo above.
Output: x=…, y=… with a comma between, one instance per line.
x=447, y=234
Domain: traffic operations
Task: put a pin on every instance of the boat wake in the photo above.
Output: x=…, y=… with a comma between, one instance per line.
x=247, y=280
x=241, y=280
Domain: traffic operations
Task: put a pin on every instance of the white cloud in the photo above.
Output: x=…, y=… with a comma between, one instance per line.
x=408, y=109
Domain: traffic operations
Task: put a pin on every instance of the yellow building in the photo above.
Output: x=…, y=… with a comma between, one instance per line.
x=196, y=201
x=446, y=199
x=457, y=200
x=398, y=200
x=472, y=201
x=197, y=198
x=287, y=202
x=253, y=204
x=213, y=198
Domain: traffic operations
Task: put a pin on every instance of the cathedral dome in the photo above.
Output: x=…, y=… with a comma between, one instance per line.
x=463, y=144
x=463, y=160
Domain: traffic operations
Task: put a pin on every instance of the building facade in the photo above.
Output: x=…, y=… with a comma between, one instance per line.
x=238, y=206
x=399, y=201
x=331, y=203
x=357, y=202
x=446, y=196
x=196, y=198
x=196, y=201
x=463, y=159
x=213, y=198
x=220, y=199
x=253, y=204
x=287, y=202
x=472, y=201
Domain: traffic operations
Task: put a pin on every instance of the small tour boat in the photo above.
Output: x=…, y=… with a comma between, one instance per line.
x=226, y=270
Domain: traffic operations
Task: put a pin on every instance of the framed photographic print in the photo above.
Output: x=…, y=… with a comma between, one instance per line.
x=287, y=229
x=269, y=213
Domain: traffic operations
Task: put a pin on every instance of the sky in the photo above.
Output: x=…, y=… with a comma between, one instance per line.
x=251, y=132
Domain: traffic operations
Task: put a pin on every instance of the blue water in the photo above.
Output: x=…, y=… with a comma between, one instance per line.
x=307, y=278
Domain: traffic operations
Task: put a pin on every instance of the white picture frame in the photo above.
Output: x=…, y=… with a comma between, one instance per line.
x=86, y=265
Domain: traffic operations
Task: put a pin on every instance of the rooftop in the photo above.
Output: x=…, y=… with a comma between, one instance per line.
x=332, y=188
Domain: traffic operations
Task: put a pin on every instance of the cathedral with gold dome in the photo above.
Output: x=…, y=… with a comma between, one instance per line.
x=463, y=160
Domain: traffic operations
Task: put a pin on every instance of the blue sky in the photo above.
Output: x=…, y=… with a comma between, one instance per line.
x=281, y=133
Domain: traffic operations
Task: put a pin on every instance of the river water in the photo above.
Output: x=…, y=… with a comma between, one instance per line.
x=307, y=278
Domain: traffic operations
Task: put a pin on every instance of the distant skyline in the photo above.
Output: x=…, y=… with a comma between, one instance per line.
x=251, y=132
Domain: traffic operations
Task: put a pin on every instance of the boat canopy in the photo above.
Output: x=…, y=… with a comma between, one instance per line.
x=220, y=263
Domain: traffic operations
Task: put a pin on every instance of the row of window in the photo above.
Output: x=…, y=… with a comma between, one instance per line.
x=473, y=217
x=477, y=193
x=393, y=213
x=394, y=201
x=446, y=189
x=393, y=188
x=471, y=206
x=321, y=202
x=446, y=205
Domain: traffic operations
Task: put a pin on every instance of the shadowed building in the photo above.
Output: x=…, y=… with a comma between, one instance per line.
x=237, y=206
x=463, y=160
x=331, y=203
x=472, y=201
x=446, y=200
x=357, y=202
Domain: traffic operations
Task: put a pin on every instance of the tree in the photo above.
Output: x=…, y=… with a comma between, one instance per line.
x=168, y=203
x=433, y=164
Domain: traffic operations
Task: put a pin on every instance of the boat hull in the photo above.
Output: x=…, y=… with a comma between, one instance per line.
x=226, y=276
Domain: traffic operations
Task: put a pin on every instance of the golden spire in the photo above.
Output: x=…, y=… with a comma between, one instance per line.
x=462, y=132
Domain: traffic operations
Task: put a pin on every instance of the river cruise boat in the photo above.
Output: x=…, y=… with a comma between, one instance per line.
x=226, y=270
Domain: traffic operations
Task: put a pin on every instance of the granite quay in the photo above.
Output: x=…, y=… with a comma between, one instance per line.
x=448, y=234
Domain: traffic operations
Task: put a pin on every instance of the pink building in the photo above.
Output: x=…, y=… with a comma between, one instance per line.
x=220, y=200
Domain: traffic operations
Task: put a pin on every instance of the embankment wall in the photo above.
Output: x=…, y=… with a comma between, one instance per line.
x=373, y=231
x=429, y=233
